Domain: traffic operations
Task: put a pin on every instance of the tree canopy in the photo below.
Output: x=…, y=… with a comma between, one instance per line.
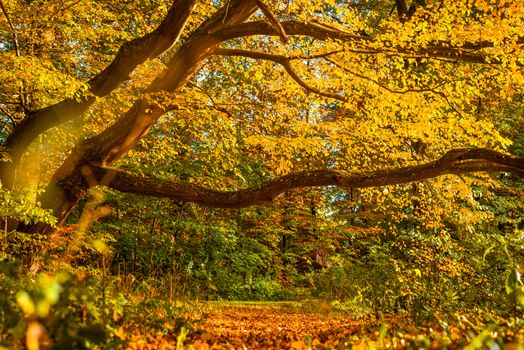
x=231, y=104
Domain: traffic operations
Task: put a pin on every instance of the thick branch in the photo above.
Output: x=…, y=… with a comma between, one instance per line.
x=130, y=55
x=457, y=161
x=272, y=19
x=468, y=52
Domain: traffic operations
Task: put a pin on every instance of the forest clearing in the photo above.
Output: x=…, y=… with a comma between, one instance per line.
x=261, y=174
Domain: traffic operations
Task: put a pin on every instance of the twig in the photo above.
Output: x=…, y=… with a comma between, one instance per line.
x=309, y=88
x=284, y=62
x=13, y=30
x=428, y=89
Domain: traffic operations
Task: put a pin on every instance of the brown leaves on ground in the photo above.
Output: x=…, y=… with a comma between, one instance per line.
x=284, y=327
x=278, y=328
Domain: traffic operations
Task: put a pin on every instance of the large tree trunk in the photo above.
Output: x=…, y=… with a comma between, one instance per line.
x=130, y=55
x=69, y=184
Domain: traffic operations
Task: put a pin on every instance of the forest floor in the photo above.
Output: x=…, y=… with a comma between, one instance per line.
x=291, y=326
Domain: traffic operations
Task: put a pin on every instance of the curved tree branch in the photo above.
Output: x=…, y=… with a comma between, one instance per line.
x=458, y=161
x=299, y=81
x=467, y=52
x=130, y=55
x=284, y=62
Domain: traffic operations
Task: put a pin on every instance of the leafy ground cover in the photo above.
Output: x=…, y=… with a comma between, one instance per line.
x=317, y=325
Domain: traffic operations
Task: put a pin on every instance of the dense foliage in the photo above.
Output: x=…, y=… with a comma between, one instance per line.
x=367, y=155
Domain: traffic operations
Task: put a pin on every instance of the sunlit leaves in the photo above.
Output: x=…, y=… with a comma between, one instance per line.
x=22, y=207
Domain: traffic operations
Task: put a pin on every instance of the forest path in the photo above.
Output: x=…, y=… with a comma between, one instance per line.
x=278, y=326
x=316, y=325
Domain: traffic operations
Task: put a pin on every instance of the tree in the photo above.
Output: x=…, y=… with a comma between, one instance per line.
x=294, y=95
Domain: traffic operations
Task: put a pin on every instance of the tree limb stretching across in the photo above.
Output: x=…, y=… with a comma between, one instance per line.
x=467, y=52
x=137, y=51
x=231, y=21
x=458, y=161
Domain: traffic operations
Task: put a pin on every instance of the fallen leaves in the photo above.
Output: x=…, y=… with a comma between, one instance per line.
x=269, y=327
x=284, y=326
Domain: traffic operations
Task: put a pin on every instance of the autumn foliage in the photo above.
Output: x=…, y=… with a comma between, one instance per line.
x=368, y=154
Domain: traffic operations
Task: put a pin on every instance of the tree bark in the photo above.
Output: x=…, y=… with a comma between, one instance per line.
x=68, y=184
x=458, y=161
x=130, y=55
